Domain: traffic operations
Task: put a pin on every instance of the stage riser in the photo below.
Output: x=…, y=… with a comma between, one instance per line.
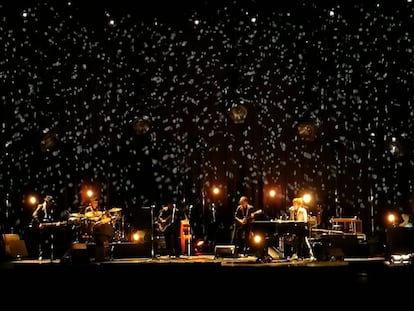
x=400, y=240
x=225, y=251
x=123, y=250
x=85, y=252
x=12, y=247
x=336, y=247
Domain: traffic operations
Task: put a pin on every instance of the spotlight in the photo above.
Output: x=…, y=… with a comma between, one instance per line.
x=391, y=219
x=272, y=193
x=141, y=125
x=401, y=259
x=215, y=190
x=138, y=236
x=308, y=130
x=201, y=246
x=395, y=147
x=49, y=141
x=238, y=113
x=258, y=239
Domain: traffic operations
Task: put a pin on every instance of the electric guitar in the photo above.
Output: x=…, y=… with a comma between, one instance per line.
x=163, y=224
x=250, y=217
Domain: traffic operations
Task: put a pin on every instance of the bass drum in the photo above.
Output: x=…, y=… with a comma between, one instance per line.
x=103, y=232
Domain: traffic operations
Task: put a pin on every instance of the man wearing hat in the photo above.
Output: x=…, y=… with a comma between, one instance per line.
x=44, y=210
x=43, y=214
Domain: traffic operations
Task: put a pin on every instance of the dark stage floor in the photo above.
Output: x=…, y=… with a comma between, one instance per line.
x=216, y=275
x=136, y=272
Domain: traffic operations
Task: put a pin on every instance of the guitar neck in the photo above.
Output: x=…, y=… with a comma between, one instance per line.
x=255, y=213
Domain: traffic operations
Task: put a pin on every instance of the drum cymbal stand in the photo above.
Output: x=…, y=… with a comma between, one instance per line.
x=119, y=230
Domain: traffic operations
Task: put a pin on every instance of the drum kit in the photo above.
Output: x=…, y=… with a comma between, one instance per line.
x=83, y=224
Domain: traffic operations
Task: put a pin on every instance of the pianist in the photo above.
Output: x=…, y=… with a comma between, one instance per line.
x=301, y=247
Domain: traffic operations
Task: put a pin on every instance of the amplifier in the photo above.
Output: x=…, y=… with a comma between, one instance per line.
x=14, y=248
x=225, y=250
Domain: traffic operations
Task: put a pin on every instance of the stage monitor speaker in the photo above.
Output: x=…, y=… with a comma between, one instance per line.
x=79, y=253
x=273, y=252
x=336, y=247
x=14, y=248
x=400, y=240
x=225, y=250
x=129, y=249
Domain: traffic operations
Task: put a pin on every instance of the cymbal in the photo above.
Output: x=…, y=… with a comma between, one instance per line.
x=77, y=215
x=93, y=214
x=115, y=209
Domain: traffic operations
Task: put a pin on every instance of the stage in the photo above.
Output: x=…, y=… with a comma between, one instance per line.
x=209, y=277
x=343, y=266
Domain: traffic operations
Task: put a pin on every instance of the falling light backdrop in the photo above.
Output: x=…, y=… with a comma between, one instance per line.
x=136, y=102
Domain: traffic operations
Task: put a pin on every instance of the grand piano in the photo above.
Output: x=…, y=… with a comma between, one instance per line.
x=277, y=234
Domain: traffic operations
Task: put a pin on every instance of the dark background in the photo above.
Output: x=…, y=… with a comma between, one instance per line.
x=74, y=87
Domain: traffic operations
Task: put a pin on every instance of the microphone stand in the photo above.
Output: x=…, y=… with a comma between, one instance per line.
x=152, y=232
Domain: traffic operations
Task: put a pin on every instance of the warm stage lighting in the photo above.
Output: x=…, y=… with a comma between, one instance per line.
x=49, y=141
x=258, y=239
x=238, y=114
x=89, y=193
x=138, y=236
x=395, y=147
x=308, y=130
x=307, y=198
x=141, y=125
x=391, y=219
x=201, y=246
x=32, y=200
x=401, y=259
x=272, y=193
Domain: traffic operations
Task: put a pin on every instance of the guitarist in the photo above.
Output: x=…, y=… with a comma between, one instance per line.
x=169, y=222
x=244, y=214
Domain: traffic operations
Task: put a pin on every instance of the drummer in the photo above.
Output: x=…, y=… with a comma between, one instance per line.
x=92, y=211
x=93, y=214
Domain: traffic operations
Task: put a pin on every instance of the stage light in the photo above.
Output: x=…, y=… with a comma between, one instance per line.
x=258, y=239
x=49, y=141
x=201, y=246
x=395, y=147
x=89, y=193
x=308, y=130
x=32, y=200
x=307, y=198
x=238, y=113
x=138, y=236
x=141, y=125
x=391, y=219
x=401, y=259
x=216, y=194
x=215, y=190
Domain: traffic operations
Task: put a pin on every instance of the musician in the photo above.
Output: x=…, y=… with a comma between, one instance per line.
x=43, y=235
x=300, y=244
x=406, y=221
x=93, y=209
x=103, y=233
x=169, y=223
x=44, y=211
x=93, y=215
x=244, y=214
